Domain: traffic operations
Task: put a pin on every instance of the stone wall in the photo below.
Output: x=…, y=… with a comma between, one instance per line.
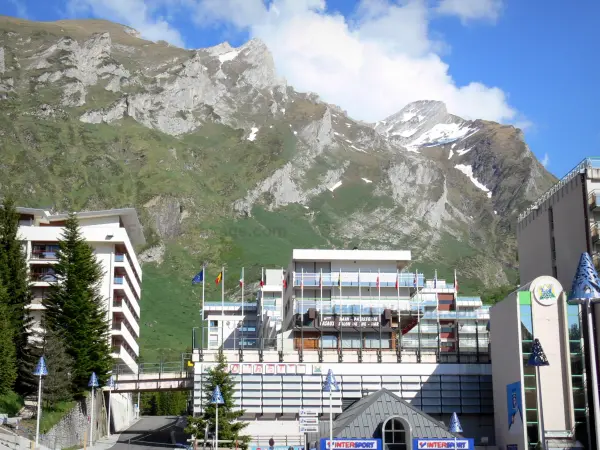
x=74, y=427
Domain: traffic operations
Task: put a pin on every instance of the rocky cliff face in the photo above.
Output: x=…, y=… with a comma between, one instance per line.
x=223, y=138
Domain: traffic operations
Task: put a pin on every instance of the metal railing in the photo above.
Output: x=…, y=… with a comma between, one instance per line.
x=366, y=279
x=587, y=163
x=46, y=255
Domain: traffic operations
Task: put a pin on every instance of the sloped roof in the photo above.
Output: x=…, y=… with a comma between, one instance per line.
x=363, y=418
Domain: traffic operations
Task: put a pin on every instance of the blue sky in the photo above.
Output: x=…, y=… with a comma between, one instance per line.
x=531, y=63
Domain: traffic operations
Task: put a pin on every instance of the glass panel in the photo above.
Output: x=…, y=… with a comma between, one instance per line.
x=579, y=399
x=526, y=322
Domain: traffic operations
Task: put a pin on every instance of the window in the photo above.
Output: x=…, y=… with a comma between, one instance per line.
x=394, y=435
x=214, y=323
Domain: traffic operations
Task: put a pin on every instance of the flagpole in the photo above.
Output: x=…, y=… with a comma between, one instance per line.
x=419, y=317
x=302, y=311
x=282, y=294
x=262, y=296
x=437, y=310
x=321, y=309
x=243, y=316
x=379, y=302
x=398, y=298
x=202, y=319
x=222, y=307
x=360, y=312
x=341, y=314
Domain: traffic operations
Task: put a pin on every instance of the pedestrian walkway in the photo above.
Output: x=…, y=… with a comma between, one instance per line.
x=105, y=443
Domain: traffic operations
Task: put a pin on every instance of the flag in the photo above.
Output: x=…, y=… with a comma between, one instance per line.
x=199, y=278
x=219, y=278
x=377, y=283
x=242, y=278
x=397, y=282
x=435, y=280
x=415, y=280
x=340, y=280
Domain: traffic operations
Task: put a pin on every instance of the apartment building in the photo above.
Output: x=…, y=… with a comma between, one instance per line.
x=113, y=234
x=359, y=313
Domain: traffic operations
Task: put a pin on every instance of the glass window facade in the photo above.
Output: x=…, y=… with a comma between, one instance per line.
x=529, y=377
x=577, y=371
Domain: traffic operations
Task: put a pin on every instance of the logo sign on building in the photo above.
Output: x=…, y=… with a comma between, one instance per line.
x=308, y=413
x=546, y=290
x=459, y=443
x=352, y=444
x=267, y=369
x=348, y=321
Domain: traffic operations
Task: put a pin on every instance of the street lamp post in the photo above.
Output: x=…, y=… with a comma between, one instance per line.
x=455, y=427
x=217, y=399
x=330, y=386
x=111, y=385
x=40, y=371
x=585, y=290
x=93, y=383
x=537, y=360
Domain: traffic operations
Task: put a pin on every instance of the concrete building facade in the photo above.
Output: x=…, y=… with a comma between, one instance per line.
x=113, y=235
x=548, y=401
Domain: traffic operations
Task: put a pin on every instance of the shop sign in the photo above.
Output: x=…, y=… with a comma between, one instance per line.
x=352, y=444
x=453, y=444
x=268, y=369
x=350, y=321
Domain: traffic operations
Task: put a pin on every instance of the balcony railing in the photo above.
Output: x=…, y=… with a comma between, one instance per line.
x=119, y=280
x=363, y=279
x=49, y=255
x=46, y=277
x=119, y=258
x=594, y=200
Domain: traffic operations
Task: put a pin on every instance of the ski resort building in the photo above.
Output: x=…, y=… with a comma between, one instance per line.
x=113, y=235
x=366, y=316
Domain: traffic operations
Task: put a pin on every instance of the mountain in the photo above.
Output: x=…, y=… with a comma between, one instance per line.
x=228, y=164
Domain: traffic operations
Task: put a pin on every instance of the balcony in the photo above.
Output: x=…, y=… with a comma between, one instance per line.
x=594, y=200
x=43, y=255
x=121, y=283
x=352, y=306
x=595, y=232
x=122, y=261
x=36, y=304
x=120, y=306
x=120, y=353
x=45, y=275
x=355, y=279
x=123, y=330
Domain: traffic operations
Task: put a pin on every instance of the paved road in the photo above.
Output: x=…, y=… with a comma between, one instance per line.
x=151, y=433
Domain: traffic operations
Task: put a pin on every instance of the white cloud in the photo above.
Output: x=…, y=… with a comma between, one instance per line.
x=468, y=10
x=371, y=65
x=134, y=13
x=546, y=160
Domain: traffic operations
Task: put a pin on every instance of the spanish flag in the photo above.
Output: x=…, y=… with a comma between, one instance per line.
x=219, y=278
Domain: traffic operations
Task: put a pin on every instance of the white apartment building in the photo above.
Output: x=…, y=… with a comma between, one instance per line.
x=113, y=235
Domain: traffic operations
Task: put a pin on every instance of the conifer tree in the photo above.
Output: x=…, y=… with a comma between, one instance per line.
x=57, y=384
x=229, y=425
x=8, y=359
x=14, y=276
x=75, y=309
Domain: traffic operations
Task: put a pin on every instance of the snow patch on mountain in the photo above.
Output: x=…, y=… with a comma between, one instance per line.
x=229, y=56
x=253, y=133
x=468, y=171
x=442, y=133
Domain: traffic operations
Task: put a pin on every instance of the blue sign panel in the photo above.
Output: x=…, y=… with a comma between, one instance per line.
x=350, y=444
x=453, y=444
x=276, y=447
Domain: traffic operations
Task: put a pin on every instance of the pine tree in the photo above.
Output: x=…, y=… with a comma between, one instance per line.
x=14, y=276
x=57, y=384
x=75, y=309
x=8, y=358
x=229, y=425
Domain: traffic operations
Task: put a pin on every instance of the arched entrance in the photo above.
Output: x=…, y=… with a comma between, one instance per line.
x=396, y=434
